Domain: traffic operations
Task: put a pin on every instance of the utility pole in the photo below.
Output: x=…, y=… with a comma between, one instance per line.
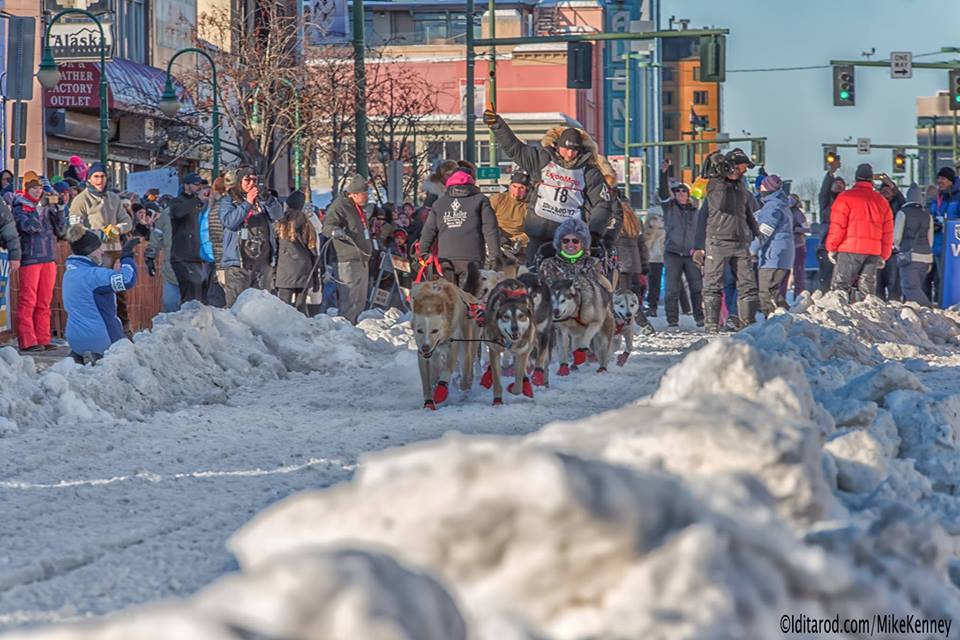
x=471, y=150
x=492, y=21
x=360, y=78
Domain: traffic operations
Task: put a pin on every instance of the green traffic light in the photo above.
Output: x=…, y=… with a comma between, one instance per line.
x=846, y=94
x=957, y=98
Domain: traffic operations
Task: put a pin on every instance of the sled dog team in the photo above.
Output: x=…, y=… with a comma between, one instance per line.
x=528, y=317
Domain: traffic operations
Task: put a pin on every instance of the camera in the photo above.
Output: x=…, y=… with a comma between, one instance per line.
x=262, y=189
x=52, y=199
x=716, y=165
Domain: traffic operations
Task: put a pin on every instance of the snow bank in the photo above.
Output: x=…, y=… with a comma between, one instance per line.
x=803, y=467
x=194, y=356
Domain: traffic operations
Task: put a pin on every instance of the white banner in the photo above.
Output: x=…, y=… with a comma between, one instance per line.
x=325, y=22
x=164, y=179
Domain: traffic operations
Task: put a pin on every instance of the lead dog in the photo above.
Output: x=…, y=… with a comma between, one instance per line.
x=510, y=327
x=626, y=306
x=442, y=329
x=582, y=312
x=543, y=318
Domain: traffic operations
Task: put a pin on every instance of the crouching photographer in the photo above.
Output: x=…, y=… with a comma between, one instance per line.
x=247, y=212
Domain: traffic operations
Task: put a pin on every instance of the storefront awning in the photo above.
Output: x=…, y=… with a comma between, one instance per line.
x=133, y=87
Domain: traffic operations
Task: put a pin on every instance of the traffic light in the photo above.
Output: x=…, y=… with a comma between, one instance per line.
x=579, y=65
x=758, y=152
x=830, y=156
x=899, y=161
x=713, y=58
x=955, y=89
x=844, y=86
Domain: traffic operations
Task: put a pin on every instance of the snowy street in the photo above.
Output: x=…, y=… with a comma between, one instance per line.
x=99, y=514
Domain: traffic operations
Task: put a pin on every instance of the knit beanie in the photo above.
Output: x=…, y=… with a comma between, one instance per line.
x=570, y=139
x=864, y=172
x=914, y=195
x=296, y=200
x=82, y=241
x=948, y=173
x=771, y=183
x=97, y=167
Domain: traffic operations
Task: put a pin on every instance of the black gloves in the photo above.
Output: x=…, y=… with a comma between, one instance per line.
x=151, y=266
x=129, y=247
x=489, y=117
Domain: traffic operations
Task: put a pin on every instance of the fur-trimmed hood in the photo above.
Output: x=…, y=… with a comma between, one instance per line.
x=590, y=145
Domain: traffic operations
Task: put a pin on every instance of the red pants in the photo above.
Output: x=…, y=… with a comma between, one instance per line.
x=33, y=304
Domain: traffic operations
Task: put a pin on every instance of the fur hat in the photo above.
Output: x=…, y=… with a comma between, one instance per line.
x=572, y=226
x=82, y=241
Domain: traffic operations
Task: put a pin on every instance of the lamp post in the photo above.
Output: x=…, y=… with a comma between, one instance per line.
x=296, y=125
x=49, y=72
x=170, y=104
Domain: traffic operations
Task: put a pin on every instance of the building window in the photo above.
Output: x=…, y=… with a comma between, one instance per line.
x=429, y=27
x=701, y=97
x=667, y=74
x=669, y=120
x=696, y=74
x=667, y=98
x=131, y=31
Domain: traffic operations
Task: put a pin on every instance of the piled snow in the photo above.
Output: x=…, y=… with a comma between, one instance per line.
x=806, y=466
x=192, y=357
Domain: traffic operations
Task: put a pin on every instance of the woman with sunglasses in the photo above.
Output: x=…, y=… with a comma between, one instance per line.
x=572, y=260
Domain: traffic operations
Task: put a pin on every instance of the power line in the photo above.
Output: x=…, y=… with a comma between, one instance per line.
x=815, y=66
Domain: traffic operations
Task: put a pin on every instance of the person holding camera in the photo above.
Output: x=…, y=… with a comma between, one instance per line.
x=345, y=224
x=40, y=222
x=247, y=212
x=725, y=229
x=680, y=220
x=90, y=293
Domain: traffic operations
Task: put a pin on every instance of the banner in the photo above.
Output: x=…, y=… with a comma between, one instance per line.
x=166, y=180
x=4, y=291
x=951, y=264
x=325, y=22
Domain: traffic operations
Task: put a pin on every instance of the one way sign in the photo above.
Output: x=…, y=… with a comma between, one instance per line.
x=901, y=64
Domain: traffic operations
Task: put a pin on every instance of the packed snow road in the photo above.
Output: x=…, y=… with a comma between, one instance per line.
x=108, y=499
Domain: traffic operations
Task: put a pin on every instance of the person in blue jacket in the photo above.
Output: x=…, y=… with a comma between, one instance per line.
x=945, y=206
x=774, y=247
x=90, y=294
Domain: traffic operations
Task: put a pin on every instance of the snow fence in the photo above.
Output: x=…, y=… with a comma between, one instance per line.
x=801, y=468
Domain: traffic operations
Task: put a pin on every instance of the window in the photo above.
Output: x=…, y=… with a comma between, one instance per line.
x=667, y=74
x=429, y=27
x=131, y=31
x=701, y=97
x=667, y=98
x=669, y=120
x=696, y=74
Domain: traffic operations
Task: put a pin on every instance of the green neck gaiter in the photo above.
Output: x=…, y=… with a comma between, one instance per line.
x=571, y=257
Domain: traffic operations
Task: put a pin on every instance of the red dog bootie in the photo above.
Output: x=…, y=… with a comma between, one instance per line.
x=579, y=357
x=429, y=405
x=440, y=392
x=564, y=370
x=602, y=370
x=526, y=389
x=622, y=358
x=498, y=402
x=539, y=378
x=486, y=380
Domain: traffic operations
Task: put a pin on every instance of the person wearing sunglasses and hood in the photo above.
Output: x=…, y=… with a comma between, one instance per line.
x=572, y=259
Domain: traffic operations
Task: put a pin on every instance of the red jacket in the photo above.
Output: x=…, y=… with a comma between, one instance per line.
x=861, y=222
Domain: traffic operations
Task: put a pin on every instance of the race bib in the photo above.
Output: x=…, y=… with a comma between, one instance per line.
x=560, y=194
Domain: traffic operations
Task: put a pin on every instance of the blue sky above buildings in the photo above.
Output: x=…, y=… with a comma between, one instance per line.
x=794, y=109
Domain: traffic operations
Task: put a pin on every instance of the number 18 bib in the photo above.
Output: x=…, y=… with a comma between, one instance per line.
x=560, y=193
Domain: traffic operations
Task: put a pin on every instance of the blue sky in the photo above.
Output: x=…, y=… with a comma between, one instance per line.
x=794, y=109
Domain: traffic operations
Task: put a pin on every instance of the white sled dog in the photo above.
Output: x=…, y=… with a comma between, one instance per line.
x=626, y=305
x=583, y=315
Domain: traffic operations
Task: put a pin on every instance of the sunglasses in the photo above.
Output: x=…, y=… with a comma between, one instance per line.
x=573, y=241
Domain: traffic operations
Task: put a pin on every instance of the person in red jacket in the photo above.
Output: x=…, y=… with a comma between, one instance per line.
x=860, y=238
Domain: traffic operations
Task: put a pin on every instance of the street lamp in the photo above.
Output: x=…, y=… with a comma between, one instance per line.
x=49, y=73
x=170, y=104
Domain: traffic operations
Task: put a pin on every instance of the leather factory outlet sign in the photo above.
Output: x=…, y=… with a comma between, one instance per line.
x=79, y=88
